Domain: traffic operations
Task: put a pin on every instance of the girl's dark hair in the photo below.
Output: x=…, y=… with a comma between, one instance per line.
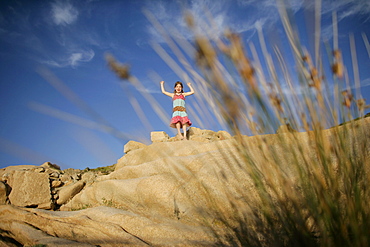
x=182, y=87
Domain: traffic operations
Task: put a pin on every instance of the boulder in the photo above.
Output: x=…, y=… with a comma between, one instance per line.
x=30, y=189
x=166, y=170
x=164, y=149
x=131, y=193
x=69, y=191
x=88, y=177
x=50, y=165
x=39, y=169
x=133, y=145
x=71, y=172
x=54, y=174
x=201, y=135
x=194, y=134
x=159, y=136
x=5, y=173
x=65, y=178
x=56, y=183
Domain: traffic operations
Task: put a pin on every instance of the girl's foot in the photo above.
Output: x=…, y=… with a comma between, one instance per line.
x=179, y=136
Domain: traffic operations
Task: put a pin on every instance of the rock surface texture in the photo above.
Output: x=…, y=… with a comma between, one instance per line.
x=158, y=195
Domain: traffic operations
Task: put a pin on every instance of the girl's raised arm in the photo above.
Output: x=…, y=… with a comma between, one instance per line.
x=164, y=91
x=191, y=90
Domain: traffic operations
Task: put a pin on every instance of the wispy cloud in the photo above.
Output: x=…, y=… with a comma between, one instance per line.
x=214, y=17
x=34, y=33
x=263, y=12
x=171, y=16
x=63, y=13
x=73, y=59
x=84, y=56
x=72, y=49
x=345, y=8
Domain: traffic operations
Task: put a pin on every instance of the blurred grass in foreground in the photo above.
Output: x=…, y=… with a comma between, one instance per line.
x=310, y=188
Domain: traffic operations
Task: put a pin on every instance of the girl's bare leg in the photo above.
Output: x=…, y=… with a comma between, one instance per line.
x=178, y=125
x=184, y=130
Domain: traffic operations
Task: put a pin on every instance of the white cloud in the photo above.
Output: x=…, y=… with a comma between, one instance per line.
x=72, y=59
x=356, y=8
x=63, y=13
x=171, y=16
x=223, y=15
x=344, y=8
x=83, y=56
x=75, y=58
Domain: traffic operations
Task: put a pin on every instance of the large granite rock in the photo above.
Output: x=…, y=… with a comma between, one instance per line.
x=30, y=189
x=100, y=226
x=69, y=191
x=170, y=193
x=194, y=134
x=159, y=136
x=43, y=186
x=133, y=145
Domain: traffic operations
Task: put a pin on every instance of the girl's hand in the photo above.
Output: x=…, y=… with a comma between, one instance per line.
x=162, y=82
x=191, y=89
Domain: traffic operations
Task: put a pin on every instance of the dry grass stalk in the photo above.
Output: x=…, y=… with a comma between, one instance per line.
x=293, y=189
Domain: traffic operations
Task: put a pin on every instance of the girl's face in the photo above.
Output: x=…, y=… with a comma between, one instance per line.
x=178, y=88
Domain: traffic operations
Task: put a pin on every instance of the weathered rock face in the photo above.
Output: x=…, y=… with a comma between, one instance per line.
x=50, y=166
x=103, y=226
x=30, y=189
x=43, y=186
x=194, y=134
x=133, y=145
x=159, y=136
x=200, y=135
x=4, y=192
x=159, y=194
x=69, y=191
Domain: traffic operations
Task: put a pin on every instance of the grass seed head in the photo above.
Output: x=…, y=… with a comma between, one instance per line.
x=347, y=98
x=337, y=67
x=189, y=19
x=205, y=55
x=121, y=70
x=361, y=104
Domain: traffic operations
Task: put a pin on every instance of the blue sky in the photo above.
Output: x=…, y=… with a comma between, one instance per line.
x=57, y=94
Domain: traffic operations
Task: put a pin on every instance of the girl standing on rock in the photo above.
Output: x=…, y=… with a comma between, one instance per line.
x=179, y=116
